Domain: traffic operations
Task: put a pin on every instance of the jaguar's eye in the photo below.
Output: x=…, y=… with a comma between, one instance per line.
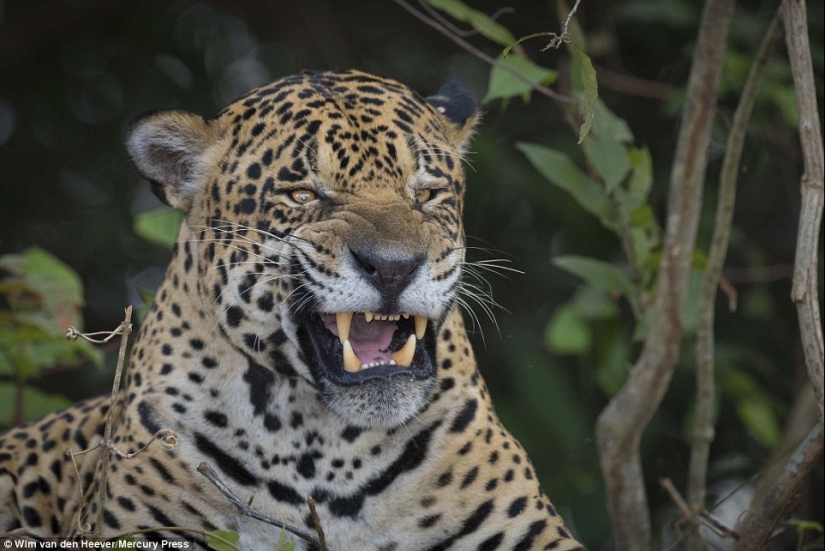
x=302, y=196
x=424, y=194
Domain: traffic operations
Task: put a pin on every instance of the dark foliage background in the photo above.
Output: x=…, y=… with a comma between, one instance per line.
x=73, y=71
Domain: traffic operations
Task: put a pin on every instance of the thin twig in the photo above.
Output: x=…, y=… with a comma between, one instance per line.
x=693, y=516
x=634, y=86
x=804, y=290
x=484, y=57
x=454, y=29
x=557, y=40
x=688, y=515
x=759, y=274
x=620, y=425
x=213, y=477
x=764, y=517
x=125, y=331
x=703, y=431
x=72, y=334
x=322, y=539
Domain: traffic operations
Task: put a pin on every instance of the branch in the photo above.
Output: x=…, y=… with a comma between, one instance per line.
x=764, y=518
x=620, y=425
x=484, y=57
x=213, y=477
x=123, y=330
x=694, y=516
x=805, y=277
x=634, y=86
x=703, y=431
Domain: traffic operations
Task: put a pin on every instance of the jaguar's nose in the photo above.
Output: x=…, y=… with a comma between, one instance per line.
x=389, y=273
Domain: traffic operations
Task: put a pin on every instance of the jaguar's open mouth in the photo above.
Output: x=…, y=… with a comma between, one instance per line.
x=355, y=347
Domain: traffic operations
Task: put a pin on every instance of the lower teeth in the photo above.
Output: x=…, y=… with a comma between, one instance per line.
x=402, y=358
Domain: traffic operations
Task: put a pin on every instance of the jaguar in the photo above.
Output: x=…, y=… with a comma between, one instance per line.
x=306, y=341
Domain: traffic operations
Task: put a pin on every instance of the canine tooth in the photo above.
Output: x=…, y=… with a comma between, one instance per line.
x=351, y=361
x=420, y=326
x=344, y=321
x=368, y=316
x=405, y=355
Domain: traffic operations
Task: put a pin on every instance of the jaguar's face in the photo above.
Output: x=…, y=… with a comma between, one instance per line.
x=327, y=208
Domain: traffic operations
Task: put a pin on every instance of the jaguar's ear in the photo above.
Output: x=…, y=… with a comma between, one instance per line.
x=170, y=148
x=460, y=109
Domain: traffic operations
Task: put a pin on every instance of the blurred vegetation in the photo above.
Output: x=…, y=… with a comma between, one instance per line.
x=73, y=71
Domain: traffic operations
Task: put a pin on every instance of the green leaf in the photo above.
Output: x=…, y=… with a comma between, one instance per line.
x=753, y=404
x=159, y=226
x=57, y=290
x=57, y=282
x=504, y=85
x=282, y=544
x=690, y=310
x=561, y=171
x=600, y=274
x=612, y=360
x=699, y=260
x=802, y=525
x=609, y=126
x=642, y=329
x=147, y=297
x=47, y=353
x=43, y=295
x=760, y=420
x=641, y=178
x=590, y=91
x=567, y=332
x=785, y=99
x=480, y=21
x=506, y=50
x=608, y=158
x=218, y=545
x=594, y=303
x=36, y=403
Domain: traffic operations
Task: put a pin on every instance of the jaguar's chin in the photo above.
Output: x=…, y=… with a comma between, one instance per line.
x=372, y=369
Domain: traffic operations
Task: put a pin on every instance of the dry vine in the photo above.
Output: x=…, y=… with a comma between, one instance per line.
x=620, y=425
x=168, y=437
x=703, y=432
x=805, y=277
x=316, y=543
x=169, y=440
x=762, y=520
x=766, y=515
x=692, y=516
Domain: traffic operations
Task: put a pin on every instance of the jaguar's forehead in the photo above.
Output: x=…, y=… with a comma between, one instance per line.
x=341, y=124
x=350, y=96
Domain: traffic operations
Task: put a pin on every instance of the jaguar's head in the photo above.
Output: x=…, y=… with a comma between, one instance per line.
x=323, y=220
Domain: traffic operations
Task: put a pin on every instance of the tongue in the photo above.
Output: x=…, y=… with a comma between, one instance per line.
x=370, y=341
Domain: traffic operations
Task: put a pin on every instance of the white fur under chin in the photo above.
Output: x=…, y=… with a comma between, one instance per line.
x=379, y=403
